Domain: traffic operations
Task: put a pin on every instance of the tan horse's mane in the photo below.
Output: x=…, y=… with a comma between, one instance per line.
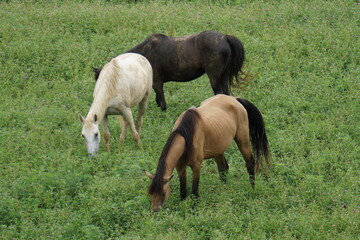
x=186, y=129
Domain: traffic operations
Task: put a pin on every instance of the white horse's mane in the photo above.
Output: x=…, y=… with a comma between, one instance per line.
x=105, y=88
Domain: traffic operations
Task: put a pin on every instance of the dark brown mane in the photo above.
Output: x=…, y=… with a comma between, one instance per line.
x=143, y=47
x=186, y=129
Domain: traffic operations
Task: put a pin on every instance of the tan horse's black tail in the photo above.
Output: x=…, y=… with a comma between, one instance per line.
x=258, y=136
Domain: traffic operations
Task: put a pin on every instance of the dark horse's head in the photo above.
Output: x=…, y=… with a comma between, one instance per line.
x=96, y=73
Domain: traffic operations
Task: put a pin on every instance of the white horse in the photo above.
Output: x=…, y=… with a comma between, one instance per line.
x=123, y=82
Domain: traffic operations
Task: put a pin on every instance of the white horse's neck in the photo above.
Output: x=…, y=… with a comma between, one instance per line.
x=99, y=105
x=104, y=90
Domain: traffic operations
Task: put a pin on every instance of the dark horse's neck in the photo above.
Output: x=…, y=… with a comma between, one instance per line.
x=146, y=47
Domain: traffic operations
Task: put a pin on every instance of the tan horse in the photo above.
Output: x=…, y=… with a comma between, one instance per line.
x=124, y=82
x=206, y=132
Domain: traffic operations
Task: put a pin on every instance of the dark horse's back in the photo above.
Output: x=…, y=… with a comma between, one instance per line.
x=172, y=59
x=186, y=58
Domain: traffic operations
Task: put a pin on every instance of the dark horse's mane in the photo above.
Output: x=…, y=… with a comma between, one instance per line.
x=149, y=40
x=186, y=129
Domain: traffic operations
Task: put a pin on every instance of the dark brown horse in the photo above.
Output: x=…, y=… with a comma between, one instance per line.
x=182, y=59
x=206, y=132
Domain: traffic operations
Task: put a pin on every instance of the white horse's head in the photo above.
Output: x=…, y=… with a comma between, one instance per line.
x=91, y=134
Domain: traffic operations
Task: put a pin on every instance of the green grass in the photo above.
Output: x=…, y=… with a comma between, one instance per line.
x=305, y=59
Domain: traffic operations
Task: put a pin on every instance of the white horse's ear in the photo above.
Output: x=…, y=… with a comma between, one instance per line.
x=81, y=118
x=95, y=118
x=149, y=175
x=167, y=179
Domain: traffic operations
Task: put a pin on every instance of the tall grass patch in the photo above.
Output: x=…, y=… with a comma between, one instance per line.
x=305, y=62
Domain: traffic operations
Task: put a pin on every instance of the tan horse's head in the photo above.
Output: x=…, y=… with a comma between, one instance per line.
x=91, y=134
x=159, y=196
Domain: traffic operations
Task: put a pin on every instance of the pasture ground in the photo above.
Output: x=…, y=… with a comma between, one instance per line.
x=305, y=59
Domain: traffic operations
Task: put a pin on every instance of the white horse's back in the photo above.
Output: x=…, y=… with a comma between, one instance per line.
x=129, y=76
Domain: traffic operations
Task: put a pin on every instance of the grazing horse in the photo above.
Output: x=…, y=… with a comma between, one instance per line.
x=124, y=82
x=206, y=132
x=182, y=59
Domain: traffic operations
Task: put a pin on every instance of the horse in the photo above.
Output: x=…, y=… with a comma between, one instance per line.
x=124, y=82
x=182, y=59
x=207, y=132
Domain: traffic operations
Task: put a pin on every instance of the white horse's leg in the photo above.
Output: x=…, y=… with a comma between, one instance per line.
x=106, y=133
x=142, y=109
x=124, y=125
x=127, y=114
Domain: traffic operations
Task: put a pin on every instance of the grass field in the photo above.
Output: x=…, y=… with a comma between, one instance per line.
x=306, y=62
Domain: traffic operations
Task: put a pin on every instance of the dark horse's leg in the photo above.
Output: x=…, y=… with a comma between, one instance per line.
x=222, y=166
x=160, y=98
x=218, y=85
x=222, y=57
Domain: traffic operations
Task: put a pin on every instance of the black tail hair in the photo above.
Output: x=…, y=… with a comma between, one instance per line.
x=186, y=129
x=234, y=73
x=258, y=136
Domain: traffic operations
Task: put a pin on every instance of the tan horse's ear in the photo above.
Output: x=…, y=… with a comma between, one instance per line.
x=167, y=179
x=149, y=175
x=81, y=118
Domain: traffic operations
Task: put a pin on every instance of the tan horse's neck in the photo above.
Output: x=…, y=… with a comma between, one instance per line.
x=174, y=155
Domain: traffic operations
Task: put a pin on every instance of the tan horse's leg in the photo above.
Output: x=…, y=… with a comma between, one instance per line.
x=196, y=178
x=222, y=166
x=106, y=133
x=128, y=117
x=182, y=177
x=243, y=142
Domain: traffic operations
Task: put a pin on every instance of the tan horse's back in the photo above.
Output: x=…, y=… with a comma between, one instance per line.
x=207, y=132
x=223, y=119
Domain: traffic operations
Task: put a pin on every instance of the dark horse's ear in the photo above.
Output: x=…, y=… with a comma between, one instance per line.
x=96, y=73
x=81, y=118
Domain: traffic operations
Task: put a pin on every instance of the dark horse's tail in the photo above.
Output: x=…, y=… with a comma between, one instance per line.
x=258, y=136
x=233, y=72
